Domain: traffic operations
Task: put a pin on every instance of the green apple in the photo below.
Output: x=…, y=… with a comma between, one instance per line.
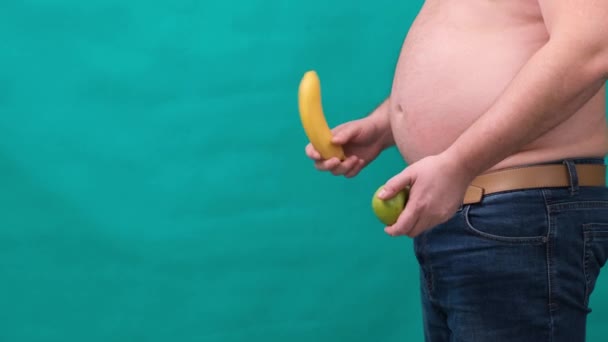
x=389, y=210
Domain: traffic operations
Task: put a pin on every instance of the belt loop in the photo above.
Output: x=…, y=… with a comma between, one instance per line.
x=572, y=175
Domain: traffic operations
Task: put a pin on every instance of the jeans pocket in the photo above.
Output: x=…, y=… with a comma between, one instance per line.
x=595, y=252
x=517, y=223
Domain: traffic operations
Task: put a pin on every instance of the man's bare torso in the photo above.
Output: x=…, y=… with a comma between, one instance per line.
x=457, y=59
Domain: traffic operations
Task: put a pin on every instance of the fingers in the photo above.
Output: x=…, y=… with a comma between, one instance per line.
x=327, y=164
x=408, y=219
x=405, y=223
x=356, y=169
x=312, y=153
x=344, y=133
x=336, y=167
x=352, y=165
x=346, y=166
x=396, y=184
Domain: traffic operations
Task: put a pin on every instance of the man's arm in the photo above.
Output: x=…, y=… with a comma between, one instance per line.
x=382, y=120
x=552, y=86
x=557, y=81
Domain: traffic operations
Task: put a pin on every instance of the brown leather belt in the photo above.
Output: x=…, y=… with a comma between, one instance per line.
x=531, y=177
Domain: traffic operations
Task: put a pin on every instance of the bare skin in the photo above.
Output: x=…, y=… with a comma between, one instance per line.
x=483, y=85
x=457, y=60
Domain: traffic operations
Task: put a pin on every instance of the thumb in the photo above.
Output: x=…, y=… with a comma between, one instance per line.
x=344, y=133
x=396, y=184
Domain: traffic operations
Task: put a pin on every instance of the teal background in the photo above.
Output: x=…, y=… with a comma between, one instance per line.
x=154, y=186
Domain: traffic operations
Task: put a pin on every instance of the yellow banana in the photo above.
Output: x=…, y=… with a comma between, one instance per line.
x=312, y=117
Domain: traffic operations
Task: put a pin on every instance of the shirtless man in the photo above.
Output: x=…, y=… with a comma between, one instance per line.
x=487, y=85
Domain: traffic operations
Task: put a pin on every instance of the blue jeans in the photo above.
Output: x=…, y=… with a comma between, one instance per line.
x=519, y=266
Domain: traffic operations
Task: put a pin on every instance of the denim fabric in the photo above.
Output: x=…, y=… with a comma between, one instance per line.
x=519, y=266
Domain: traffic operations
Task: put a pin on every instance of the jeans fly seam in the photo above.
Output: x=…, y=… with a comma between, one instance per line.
x=585, y=266
x=428, y=268
x=549, y=266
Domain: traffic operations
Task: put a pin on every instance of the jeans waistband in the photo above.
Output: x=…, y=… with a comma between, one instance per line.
x=571, y=163
x=567, y=173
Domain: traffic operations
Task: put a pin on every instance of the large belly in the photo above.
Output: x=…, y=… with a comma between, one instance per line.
x=449, y=74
